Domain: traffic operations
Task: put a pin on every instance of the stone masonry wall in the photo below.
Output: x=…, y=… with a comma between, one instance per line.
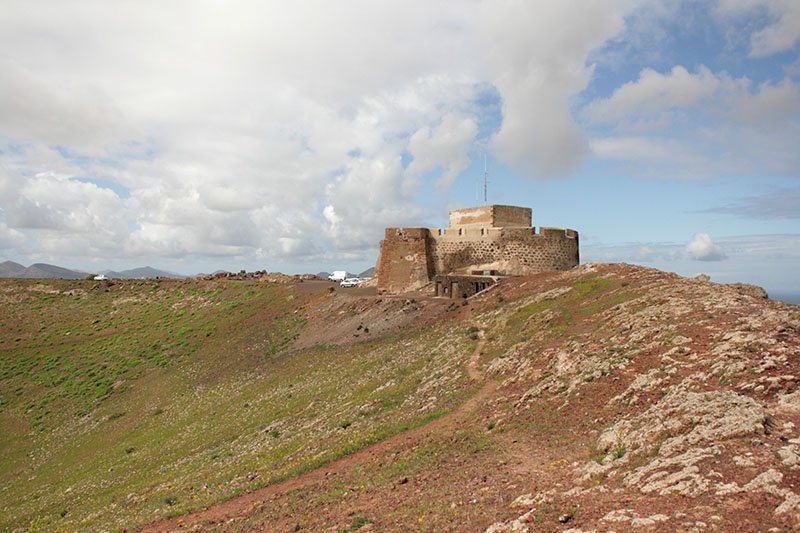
x=405, y=261
x=523, y=253
x=497, y=238
x=495, y=216
x=411, y=257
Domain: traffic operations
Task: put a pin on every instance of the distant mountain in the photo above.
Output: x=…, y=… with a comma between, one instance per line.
x=43, y=270
x=143, y=272
x=368, y=273
x=10, y=269
x=323, y=275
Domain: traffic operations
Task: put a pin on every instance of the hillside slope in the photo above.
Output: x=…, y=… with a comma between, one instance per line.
x=122, y=402
x=614, y=398
x=606, y=397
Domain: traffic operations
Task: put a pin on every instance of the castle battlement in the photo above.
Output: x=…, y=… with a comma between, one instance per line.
x=495, y=238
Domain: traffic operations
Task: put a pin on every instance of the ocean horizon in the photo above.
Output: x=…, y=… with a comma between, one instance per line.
x=788, y=297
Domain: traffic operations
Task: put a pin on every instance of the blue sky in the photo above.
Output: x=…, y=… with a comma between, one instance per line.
x=203, y=135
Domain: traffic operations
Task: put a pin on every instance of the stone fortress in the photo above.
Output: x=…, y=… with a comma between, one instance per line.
x=481, y=245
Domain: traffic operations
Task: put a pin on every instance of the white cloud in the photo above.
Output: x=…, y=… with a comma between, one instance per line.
x=10, y=238
x=368, y=196
x=654, y=94
x=63, y=112
x=268, y=131
x=683, y=124
x=702, y=248
x=444, y=146
x=779, y=35
x=539, y=69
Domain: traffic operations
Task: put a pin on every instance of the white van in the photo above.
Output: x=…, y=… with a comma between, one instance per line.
x=338, y=275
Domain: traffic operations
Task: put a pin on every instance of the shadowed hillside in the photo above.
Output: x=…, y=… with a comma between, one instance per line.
x=605, y=397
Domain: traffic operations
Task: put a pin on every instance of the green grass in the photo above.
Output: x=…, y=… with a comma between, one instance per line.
x=157, y=398
x=408, y=464
x=122, y=404
x=75, y=351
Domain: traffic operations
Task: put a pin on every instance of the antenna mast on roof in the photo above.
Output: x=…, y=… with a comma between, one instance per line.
x=485, y=179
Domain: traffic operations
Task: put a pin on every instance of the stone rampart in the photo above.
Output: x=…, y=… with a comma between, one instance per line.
x=497, y=238
x=510, y=251
x=411, y=257
x=491, y=215
x=405, y=261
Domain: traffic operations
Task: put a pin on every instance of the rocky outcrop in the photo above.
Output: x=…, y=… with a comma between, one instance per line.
x=706, y=400
x=750, y=290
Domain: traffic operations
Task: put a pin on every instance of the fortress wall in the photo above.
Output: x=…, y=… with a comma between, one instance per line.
x=474, y=216
x=477, y=233
x=496, y=237
x=512, y=216
x=522, y=250
x=405, y=261
x=491, y=216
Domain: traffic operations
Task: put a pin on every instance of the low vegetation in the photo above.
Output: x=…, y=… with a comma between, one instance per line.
x=126, y=402
x=604, y=397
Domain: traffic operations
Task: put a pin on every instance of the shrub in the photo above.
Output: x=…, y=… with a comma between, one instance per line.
x=619, y=451
x=358, y=522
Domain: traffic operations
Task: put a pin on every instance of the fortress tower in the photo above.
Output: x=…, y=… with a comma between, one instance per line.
x=480, y=244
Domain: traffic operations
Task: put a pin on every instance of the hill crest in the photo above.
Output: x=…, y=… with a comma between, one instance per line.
x=604, y=397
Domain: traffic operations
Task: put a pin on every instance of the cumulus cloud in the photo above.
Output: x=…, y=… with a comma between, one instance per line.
x=702, y=248
x=274, y=131
x=269, y=132
x=538, y=71
x=63, y=112
x=370, y=194
x=445, y=146
x=10, y=238
x=684, y=124
x=653, y=95
x=780, y=34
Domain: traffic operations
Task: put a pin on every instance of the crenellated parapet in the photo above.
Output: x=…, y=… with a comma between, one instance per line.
x=475, y=241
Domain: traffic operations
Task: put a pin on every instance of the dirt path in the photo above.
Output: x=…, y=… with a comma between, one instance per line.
x=244, y=504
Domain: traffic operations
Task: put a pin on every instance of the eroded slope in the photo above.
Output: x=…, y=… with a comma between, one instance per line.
x=614, y=398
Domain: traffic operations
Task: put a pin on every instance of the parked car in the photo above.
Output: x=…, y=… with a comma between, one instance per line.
x=350, y=282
